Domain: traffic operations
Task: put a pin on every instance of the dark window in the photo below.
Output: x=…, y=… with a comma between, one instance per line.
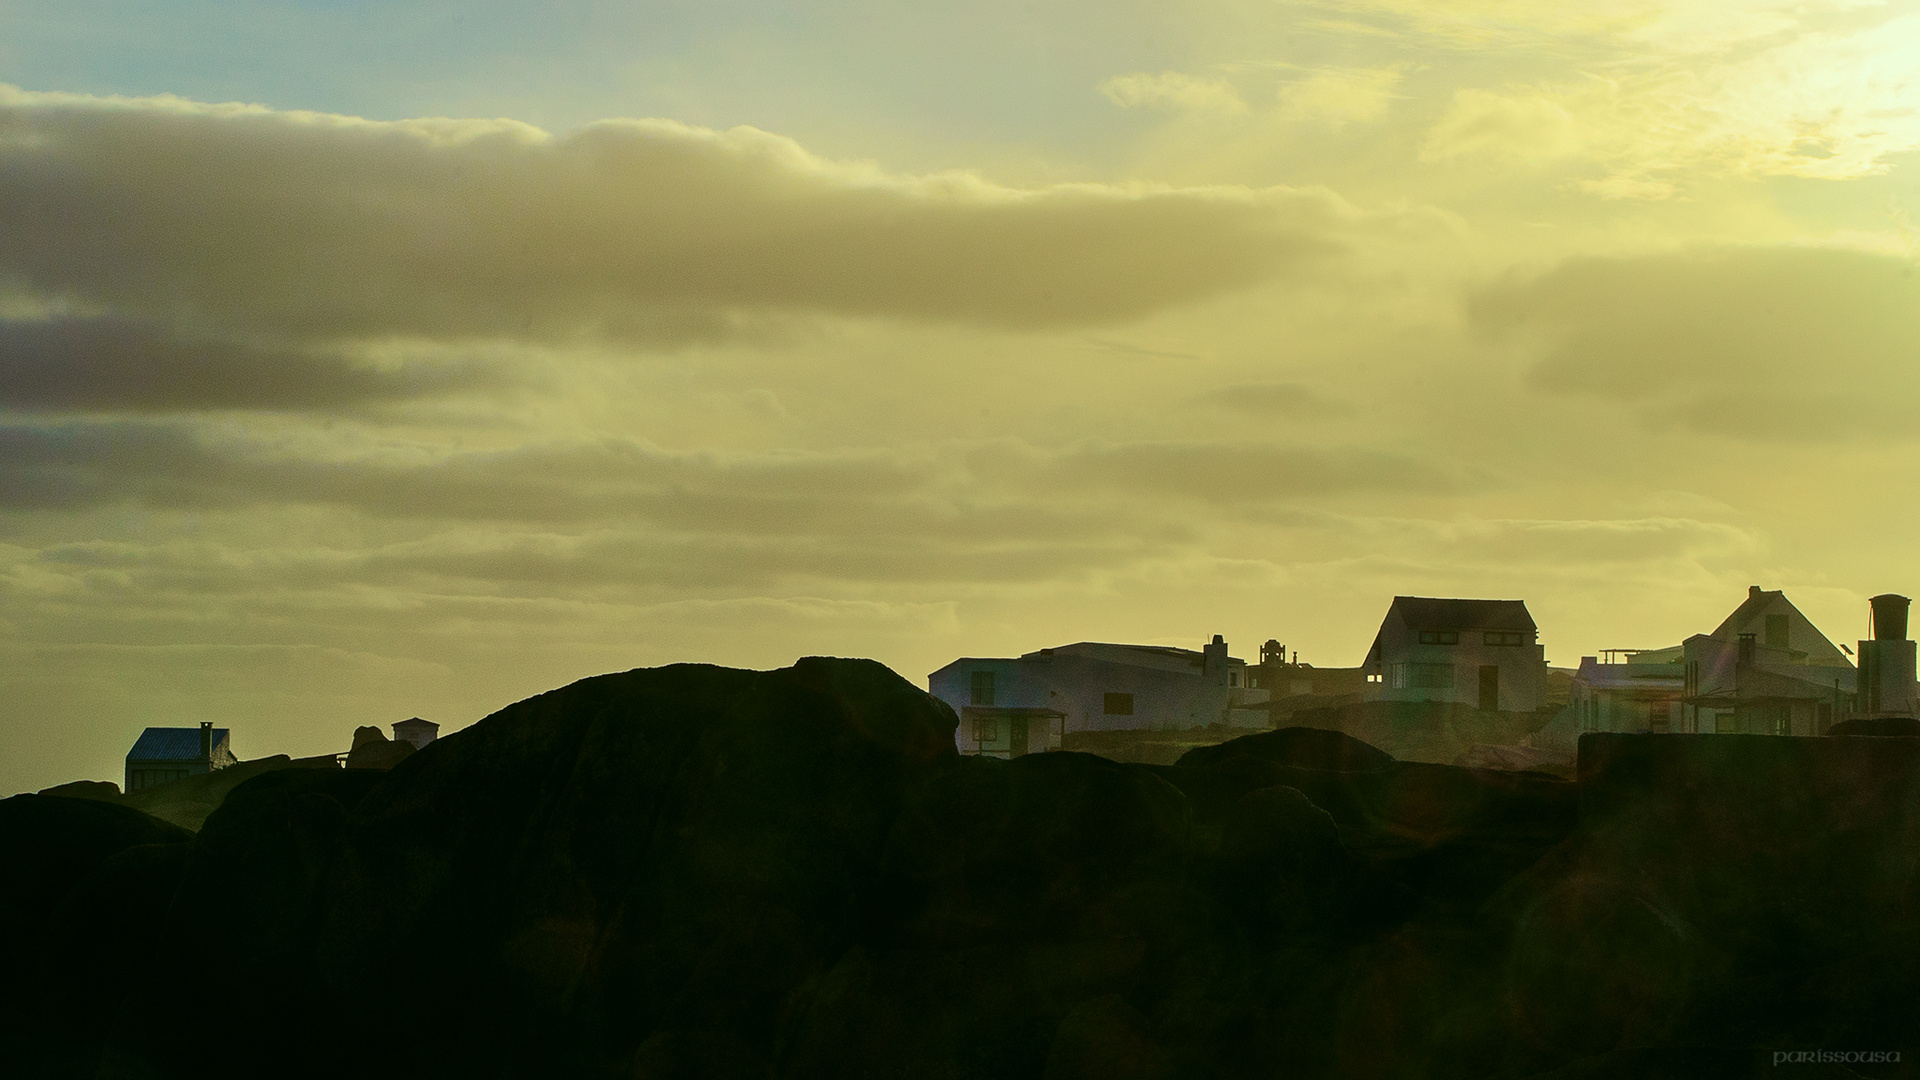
x=1118, y=705
x=983, y=688
x=1422, y=676
x=986, y=729
x=1439, y=637
x=1505, y=637
x=1776, y=631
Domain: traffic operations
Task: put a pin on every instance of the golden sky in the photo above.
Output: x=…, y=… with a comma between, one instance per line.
x=739, y=331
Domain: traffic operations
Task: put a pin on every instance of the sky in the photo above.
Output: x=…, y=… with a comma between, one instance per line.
x=364, y=361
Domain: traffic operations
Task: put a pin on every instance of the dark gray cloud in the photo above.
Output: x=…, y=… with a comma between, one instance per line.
x=303, y=226
x=124, y=365
x=999, y=489
x=1767, y=344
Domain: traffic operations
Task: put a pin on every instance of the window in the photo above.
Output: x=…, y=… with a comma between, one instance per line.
x=1233, y=678
x=1421, y=676
x=986, y=729
x=1118, y=705
x=1777, y=631
x=1439, y=637
x=983, y=688
x=1506, y=637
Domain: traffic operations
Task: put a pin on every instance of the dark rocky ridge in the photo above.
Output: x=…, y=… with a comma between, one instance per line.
x=699, y=872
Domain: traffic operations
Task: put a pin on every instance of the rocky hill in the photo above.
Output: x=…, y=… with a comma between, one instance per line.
x=700, y=872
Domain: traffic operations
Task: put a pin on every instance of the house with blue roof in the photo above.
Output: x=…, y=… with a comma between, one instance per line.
x=163, y=754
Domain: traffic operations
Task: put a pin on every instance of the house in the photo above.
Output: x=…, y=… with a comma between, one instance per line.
x=1482, y=653
x=416, y=731
x=162, y=754
x=1089, y=686
x=1765, y=670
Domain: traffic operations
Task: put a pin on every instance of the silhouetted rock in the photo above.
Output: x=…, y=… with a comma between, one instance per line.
x=1904, y=726
x=700, y=872
x=186, y=802
x=49, y=845
x=1301, y=747
x=98, y=790
x=1105, y=1039
x=372, y=750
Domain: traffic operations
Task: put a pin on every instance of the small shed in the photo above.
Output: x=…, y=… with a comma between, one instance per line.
x=416, y=731
x=163, y=754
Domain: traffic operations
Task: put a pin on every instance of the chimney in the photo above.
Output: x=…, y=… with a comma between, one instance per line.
x=1753, y=592
x=1214, y=658
x=206, y=740
x=1746, y=648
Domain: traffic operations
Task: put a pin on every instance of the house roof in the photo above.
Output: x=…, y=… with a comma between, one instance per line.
x=1433, y=613
x=1758, y=599
x=415, y=722
x=173, y=744
x=1820, y=650
x=1167, y=657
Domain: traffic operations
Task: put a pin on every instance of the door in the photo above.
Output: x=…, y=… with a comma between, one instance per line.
x=1016, y=736
x=1489, y=688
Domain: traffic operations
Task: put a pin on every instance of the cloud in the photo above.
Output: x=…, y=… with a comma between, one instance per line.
x=1826, y=105
x=1171, y=89
x=1225, y=474
x=231, y=219
x=1668, y=27
x=1525, y=127
x=1004, y=489
x=1340, y=96
x=114, y=364
x=1274, y=400
x=1776, y=344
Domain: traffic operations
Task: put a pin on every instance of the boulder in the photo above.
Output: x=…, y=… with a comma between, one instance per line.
x=1300, y=747
x=657, y=859
x=377, y=752
x=98, y=790
x=1881, y=726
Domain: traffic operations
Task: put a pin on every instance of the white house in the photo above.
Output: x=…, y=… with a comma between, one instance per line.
x=1483, y=653
x=1010, y=706
x=416, y=732
x=1765, y=670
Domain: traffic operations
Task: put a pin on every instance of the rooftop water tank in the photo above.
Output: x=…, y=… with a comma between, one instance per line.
x=1889, y=617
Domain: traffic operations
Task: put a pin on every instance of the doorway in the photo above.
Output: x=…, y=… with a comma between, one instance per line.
x=1489, y=688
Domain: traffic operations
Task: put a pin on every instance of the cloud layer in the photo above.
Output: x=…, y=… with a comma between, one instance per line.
x=309, y=226
x=1771, y=344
